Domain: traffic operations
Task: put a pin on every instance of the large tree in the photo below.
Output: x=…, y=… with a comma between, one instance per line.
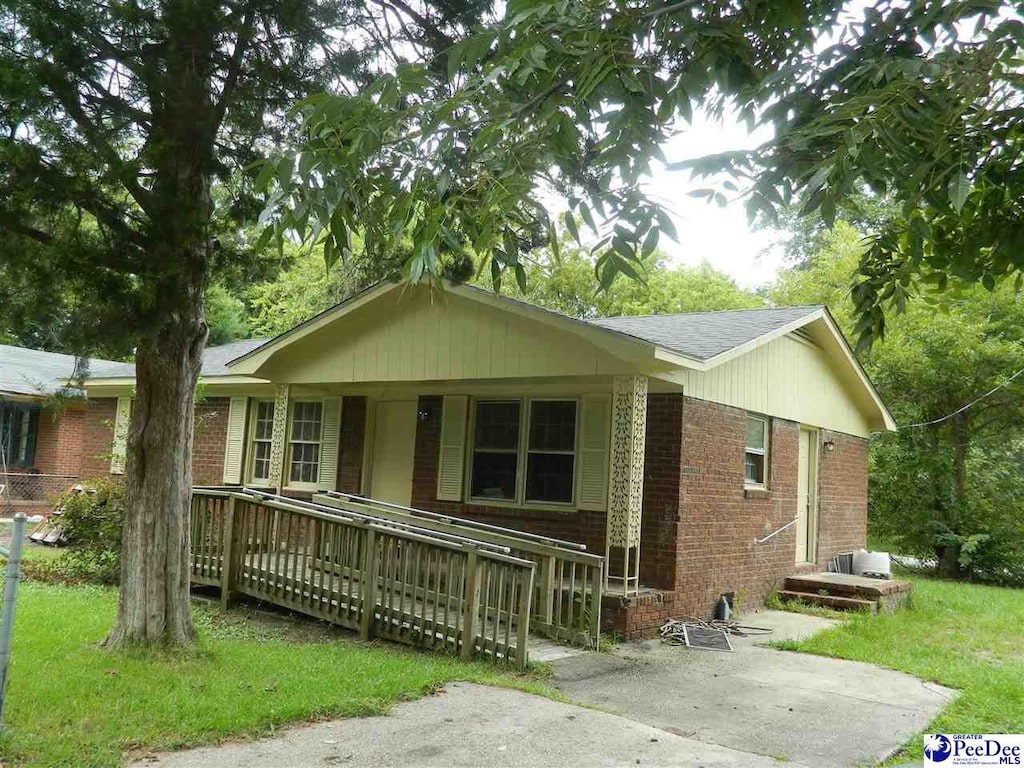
x=118, y=121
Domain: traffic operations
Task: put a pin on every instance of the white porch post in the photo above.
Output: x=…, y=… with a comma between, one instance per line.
x=277, y=438
x=626, y=482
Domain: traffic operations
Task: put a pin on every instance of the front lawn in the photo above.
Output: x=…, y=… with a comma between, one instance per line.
x=964, y=636
x=71, y=703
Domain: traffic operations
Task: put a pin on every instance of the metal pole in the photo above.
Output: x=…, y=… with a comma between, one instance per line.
x=10, y=597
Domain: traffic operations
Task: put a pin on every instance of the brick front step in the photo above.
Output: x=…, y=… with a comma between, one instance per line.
x=845, y=592
x=846, y=584
x=835, y=602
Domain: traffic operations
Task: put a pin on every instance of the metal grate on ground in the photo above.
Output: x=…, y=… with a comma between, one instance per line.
x=707, y=638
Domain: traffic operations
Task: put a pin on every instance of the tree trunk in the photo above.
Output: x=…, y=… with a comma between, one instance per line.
x=948, y=560
x=155, y=608
x=948, y=554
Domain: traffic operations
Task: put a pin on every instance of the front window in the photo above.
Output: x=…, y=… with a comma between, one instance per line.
x=496, y=450
x=262, y=437
x=756, y=452
x=304, y=445
x=533, y=462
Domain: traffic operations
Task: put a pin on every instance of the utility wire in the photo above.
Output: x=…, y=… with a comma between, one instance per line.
x=963, y=408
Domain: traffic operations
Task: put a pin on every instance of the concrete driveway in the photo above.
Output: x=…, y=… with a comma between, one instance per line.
x=660, y=706
x=807, y=709
x=470, y=725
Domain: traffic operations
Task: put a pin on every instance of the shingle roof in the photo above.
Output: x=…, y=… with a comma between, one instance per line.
x=215, y=360
x=33, y=372
x=703, y=335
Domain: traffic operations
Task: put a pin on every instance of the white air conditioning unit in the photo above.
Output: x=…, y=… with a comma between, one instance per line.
x=872, y=564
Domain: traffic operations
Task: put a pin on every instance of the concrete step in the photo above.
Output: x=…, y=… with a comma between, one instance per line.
x=835, y=602
x=846, y=585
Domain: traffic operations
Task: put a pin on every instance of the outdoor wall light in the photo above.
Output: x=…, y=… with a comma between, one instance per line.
x=424, y=414
x=829, y=445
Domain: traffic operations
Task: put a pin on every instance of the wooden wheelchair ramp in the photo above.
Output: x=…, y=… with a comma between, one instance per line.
x=388, y=578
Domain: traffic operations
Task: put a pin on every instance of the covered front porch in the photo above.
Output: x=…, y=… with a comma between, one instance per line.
x=558, y=458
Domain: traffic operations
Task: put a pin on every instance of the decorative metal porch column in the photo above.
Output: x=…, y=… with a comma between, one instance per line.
x=626, y=483
x=277, y=438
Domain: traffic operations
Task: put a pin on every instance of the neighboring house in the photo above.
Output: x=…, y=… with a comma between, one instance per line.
x=45, y=441
x=702, y=453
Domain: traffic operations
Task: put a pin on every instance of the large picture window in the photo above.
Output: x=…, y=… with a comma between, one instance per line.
x=524, y=452
x=756, y=452
x=304, y=442
x=262, y=437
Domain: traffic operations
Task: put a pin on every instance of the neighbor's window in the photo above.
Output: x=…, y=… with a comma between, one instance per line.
x=547, y=453
x=18, y=426
x=262, y=436
x=756, y=455
x=304, y=445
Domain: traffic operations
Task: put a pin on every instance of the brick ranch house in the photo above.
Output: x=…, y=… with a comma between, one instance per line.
x=49, y=438
x=701, y=453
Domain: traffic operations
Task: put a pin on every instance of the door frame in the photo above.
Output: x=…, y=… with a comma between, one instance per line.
x=813, y=483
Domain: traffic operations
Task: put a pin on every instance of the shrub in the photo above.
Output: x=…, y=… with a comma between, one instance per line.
x=92, y=519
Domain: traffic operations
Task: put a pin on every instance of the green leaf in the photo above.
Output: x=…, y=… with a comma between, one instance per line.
x=650, y=242
x=959, y=188
x=570, y=224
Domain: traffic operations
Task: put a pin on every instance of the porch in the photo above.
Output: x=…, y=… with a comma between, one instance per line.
x=561, y=460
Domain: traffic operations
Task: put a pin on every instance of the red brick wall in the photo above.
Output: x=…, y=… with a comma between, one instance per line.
x=209, y=439
x=842, y=495
x=720, y=520
x=353, y=433
x=98, y=436
x=59, y=442
x=662, y=473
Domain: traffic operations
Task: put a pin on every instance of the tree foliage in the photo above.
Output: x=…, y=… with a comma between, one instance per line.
x=920, y=102
x=567, y=284
x=570, y=97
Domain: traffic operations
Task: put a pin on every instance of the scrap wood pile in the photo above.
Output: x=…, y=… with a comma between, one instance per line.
x=51, y=530
x=701, y=633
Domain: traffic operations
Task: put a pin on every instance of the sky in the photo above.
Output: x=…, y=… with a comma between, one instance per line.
x=707, y=232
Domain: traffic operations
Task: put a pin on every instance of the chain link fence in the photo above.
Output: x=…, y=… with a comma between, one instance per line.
x=31, y=492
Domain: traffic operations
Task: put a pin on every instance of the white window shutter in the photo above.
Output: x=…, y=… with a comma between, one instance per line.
x=595, y=436
x=234, y=444
x=119, y=448
x=330, y=434
x=452, y=455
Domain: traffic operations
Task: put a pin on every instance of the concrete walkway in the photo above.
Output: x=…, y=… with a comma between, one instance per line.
x=470, y=725
x=663, y=706
x=808, y=709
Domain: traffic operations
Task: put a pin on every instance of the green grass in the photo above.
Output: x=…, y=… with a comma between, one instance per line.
x=964, y=636
x=72, y=703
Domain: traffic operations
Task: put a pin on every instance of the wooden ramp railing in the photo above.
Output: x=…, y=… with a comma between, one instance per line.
x=382, y=578
x=567, y=599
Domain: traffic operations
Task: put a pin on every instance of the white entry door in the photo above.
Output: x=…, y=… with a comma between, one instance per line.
x=807, y=498
x=394, y=439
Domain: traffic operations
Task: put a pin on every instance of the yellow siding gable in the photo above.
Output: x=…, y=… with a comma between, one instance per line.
x=789, y=378
x=419, y=335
